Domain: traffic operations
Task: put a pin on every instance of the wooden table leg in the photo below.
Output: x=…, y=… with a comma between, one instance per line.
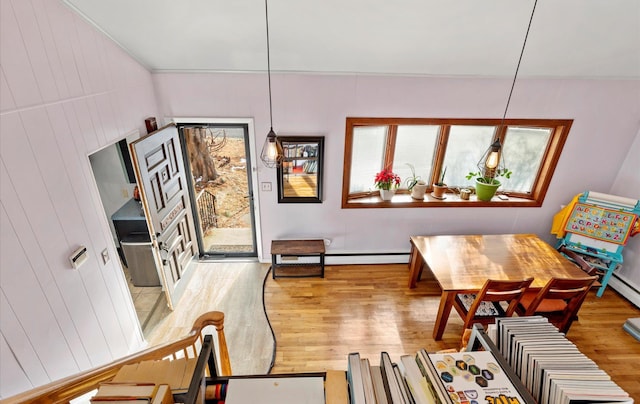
x=273, y=265
x=446, y=302
x=415, y=266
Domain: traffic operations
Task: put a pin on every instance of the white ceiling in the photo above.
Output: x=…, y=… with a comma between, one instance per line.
x=568, y=38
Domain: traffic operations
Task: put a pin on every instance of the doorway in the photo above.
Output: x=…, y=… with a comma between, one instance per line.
x=112, y=172
x=115, y=180
x=218, y=155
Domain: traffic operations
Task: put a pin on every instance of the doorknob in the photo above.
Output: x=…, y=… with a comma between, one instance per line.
x=164, y=253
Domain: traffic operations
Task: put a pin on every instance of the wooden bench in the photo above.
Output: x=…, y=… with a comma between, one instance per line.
x=281, y=250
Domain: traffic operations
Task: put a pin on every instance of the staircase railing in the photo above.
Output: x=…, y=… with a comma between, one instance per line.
x=63, y=390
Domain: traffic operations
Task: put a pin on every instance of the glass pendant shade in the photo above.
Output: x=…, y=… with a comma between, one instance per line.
x=491, y=162
x=271, y=154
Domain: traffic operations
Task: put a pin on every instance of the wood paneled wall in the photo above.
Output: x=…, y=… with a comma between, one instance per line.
x=66, y=90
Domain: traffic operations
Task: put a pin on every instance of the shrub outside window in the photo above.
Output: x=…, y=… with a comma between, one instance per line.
x=531, y=149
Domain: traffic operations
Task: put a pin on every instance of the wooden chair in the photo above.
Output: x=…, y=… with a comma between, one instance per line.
x=559, y=301
x=485, y=306
x=579, y=261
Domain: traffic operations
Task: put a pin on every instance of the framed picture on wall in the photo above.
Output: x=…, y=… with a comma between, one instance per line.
x=300, y=174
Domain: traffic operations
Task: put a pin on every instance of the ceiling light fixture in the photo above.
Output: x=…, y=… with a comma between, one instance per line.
x=492, y=161
x=271, y=154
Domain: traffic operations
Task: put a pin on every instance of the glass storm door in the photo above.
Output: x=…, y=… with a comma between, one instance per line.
x=217, y=155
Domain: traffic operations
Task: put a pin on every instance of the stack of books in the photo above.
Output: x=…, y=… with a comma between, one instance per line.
x=529, y=361
x=430, y=378
x=132, y=393
x=550, y=366
x=176, y=373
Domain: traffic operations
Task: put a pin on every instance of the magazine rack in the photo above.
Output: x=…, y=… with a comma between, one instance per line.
x=597, y=227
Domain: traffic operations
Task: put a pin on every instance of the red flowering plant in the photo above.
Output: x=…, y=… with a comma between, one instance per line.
x=387, y=180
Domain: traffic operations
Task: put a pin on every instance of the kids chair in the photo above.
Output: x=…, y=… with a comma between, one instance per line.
x=559, y=301
x=483, y=307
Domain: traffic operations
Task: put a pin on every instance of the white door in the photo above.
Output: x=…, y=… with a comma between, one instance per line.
x=158, y=163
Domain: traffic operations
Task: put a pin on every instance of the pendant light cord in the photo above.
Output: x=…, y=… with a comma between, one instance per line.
x=266, y=13
x=513, y=84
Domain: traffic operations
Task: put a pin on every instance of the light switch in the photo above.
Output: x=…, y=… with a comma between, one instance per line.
x=105, y=256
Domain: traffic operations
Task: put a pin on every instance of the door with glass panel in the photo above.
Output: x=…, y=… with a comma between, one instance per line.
x=218, y=157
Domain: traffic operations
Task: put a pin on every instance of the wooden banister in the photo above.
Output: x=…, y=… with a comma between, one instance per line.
x=61, y=391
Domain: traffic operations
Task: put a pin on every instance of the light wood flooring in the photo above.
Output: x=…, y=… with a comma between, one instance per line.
x=369, y=309
x=235, y=288
x=146, y=299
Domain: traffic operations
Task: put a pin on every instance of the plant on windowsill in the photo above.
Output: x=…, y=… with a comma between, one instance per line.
x=415, y=185
x=490, y=166
x=439, y=188
x=387, y=182
x=486, y=182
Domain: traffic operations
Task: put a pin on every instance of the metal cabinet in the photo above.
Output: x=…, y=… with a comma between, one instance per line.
x=135, y=243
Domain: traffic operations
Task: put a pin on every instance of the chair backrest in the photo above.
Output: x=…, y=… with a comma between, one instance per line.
x=578, y=260
x=559, y=300
x=494, y=291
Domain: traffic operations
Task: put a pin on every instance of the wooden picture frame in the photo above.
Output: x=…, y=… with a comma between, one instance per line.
x=300, y=174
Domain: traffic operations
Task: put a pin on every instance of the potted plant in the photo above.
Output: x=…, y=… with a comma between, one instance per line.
x=440, y=187
x=415, y=185
x=486, y=182
x=387, y=182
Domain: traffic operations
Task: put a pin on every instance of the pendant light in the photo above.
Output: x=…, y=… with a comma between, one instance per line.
x=271, y=154
x=492, y=163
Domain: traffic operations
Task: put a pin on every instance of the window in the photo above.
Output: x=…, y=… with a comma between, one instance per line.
x=530, y=147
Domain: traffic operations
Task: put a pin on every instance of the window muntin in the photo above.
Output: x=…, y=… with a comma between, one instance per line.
x=531, y=147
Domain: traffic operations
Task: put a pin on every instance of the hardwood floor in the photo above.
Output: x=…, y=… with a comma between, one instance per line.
x=369, y=309
x=366, y=309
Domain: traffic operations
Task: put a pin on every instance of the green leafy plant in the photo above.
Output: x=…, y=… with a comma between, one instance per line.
x=440, y=182
x=485, y=178
x=414, y=179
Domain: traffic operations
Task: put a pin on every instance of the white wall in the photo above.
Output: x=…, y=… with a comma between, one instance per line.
x=627, y=184
x=605, y=124
x=65, y=92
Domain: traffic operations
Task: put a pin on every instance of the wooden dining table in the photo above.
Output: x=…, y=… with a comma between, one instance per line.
x=463, y=263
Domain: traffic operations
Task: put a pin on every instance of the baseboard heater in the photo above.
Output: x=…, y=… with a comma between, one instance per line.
x=366, y=258
x=626, y=288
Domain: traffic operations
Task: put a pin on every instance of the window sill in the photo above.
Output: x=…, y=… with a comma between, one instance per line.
x=451, y=200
